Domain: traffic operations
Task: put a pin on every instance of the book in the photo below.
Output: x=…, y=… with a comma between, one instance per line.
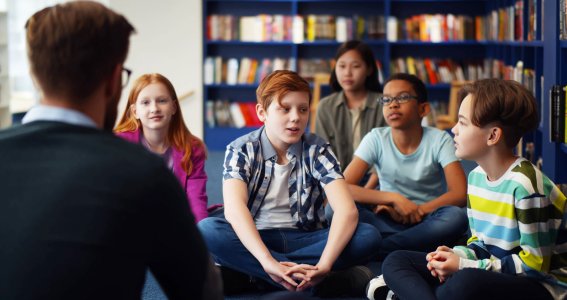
x=565, y=115
x=557, y=126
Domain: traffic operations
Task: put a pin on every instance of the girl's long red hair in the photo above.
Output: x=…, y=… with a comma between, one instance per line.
x=178, y=134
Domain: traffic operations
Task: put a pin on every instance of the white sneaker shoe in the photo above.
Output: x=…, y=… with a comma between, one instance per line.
x=377, y=289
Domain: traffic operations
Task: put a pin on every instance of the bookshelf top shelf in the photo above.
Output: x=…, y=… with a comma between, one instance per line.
x=563, y=43
x=289, y=43
x=563, y=148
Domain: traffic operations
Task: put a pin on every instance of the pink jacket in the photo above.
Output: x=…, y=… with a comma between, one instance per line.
x=195, y=185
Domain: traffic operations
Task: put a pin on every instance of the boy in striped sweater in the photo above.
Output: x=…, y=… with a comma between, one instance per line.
x=518, y=247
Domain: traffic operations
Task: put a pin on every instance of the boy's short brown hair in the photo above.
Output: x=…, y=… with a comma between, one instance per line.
x=73, y=46
x=506, y=103
x=278, y=84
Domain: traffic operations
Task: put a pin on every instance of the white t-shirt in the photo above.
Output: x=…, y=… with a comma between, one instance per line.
x=275, y=211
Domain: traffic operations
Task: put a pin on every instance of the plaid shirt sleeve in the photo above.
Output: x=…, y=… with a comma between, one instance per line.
x=325, y=166
x=236, y=164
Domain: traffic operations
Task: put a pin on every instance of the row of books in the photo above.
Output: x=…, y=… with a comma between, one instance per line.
x=232, y=71
x=558, y=126
x=224, y=113
x=298, y=28
x=434, y=71
x=503, y=24
x=218, y=70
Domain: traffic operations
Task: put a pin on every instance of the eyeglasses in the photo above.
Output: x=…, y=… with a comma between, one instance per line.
x=401, y=99
x=125, y=76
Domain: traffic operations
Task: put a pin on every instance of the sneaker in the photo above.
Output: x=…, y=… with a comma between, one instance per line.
x=377, y=289
x=350, y=283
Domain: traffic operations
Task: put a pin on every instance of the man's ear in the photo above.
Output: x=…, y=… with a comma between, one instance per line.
x=260, y=112
x=495, y=135
x=114, y=81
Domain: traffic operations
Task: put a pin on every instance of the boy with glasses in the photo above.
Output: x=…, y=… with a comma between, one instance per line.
x=415, y=208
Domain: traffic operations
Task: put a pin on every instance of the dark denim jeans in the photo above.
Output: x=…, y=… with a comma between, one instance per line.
x=444, y=226
x=406, y=273
x=285, y=245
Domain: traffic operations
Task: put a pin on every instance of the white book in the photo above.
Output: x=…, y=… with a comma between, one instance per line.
x=236, y=114
x=297, y=30
x=244, y=70
x=209, y=70
x=247, y=30
x=392, y=29
x=341, y=29
x=232, y=71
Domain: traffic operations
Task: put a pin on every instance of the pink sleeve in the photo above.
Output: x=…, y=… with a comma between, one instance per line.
x=197, y=185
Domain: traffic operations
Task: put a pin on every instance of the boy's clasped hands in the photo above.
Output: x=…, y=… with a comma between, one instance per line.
x=442, y=263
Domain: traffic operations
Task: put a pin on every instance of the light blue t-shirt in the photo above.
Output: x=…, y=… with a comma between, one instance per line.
x=418, y=176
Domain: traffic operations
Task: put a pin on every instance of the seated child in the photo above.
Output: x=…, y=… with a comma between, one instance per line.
x=348, y=114
x=153, y=119
x=276, y=180
x=415, y=209
x=516, y=214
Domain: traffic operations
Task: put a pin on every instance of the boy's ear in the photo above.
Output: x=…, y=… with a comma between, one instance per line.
x=260, y=112
x=495, y=136
x=424, y=109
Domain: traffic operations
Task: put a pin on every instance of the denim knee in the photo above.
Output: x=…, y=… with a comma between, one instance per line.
x=212, y=229
x=452, y=217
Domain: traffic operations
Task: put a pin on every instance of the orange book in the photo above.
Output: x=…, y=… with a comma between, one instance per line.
x=252, y=71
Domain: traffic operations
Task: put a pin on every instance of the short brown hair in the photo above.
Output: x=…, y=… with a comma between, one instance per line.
x=504, y=102
x=73, y=46
x=276, y=85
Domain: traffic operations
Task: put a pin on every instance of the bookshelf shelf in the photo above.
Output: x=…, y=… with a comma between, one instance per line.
x=563, y=43
x=450, y=43
x=242, y=43
x=232, y=86
x=563, y=148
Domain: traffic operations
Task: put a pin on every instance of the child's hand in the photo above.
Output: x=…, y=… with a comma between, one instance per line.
x=277, y=271
x=405, y=207
x=442, y=264
x=299, y=272
x=390, y=211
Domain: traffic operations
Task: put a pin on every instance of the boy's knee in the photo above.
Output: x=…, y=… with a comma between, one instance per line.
x=464, y=283
x=211, y=229
x=369, y=235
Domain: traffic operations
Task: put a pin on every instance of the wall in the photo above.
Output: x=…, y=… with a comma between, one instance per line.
x=168, y=40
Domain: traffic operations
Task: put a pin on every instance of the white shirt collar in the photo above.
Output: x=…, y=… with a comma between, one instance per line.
x=58, y=114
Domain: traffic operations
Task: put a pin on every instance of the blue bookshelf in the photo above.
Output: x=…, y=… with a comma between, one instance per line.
x=545, y=55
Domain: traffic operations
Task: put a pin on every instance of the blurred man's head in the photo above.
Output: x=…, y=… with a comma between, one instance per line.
x=75, y=46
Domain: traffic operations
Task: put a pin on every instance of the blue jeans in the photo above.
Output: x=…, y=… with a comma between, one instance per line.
x=406, y=273
x=285, y=245
x=443, y=226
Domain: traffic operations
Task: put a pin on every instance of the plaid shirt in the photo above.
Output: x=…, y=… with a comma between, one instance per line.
x=251, y=158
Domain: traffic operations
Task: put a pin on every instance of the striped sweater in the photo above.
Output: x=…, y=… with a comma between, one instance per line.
x=518, y=225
